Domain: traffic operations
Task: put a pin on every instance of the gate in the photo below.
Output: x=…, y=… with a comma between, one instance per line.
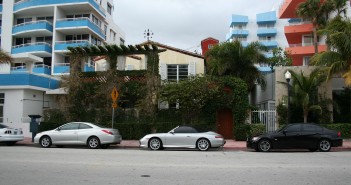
x=266, y=117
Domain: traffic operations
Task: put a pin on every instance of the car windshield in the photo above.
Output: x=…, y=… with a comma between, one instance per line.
x=281, y=129
x=3, y=126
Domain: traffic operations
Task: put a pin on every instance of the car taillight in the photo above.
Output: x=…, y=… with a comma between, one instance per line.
x=107, y=132
x=339, y=134
x=219, y=136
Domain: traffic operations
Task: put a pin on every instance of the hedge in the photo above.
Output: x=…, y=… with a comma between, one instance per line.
x=244, y=131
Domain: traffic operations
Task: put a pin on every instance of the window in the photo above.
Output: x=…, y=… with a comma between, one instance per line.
x=77, y=37
x=176, y=72
x=307, y=40
x=306, y=61
x=121, y=41
x=105, y=29
x=84, y=126
x=312, y=128
x=185, y=129
x=70, y=126
x=112, y=35
x=49, y=19
x=109, y=8
x=294, y=128
x=47, y=39
x=20, y=41
x=23, y=20
x=2, y=102
x=210, y=46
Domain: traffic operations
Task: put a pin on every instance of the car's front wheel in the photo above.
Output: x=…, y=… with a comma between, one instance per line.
x=203, y=144
x=264, y=145
x=45, y=141
x=324, y=145
x=155, y=144
x=93, y=142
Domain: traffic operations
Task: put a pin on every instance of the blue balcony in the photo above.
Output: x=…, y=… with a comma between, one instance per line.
x=239, y=20
x=42, y=69
x=28, y=80
x=62, y=45
x=262, y=32
x=88, y=68
x=38, y=48
x=268, y=17
x=32, y=26
x=19, y=69
x=37, y=3
x=0, y=8
x=270, y=44
x=62, y=68
x=0, y=30
x=237, y=33
x=81, y=22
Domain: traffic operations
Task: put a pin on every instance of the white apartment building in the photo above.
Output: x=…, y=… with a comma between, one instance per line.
x=37, y=33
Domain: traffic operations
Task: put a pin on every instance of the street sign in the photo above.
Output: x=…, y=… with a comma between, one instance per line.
x=114, y=94
x=114, y=105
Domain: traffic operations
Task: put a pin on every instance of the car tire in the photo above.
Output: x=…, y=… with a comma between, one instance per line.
x=264, y=145
x=105, y=146
x=93, y=142
x=10, y=143
x=155, y=144
x=324, y=145
x=203, y=144
x=45, y=142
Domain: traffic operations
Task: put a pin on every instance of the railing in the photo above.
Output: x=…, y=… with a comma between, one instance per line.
x=32, y=44
x=18, y=67
x=63, y=64
x=299, y=23
x=74, y=42
x=83, y=19
x=22, y=1
x=300, y=45
x=32, y=22
x=266, y=117
x=42, y=66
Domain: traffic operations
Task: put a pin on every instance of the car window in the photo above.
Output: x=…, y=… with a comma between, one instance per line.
x=294, y=128
x=312, y=128
x=70, y=126
x=84, y=126
x=185, y=129
x=3, y=126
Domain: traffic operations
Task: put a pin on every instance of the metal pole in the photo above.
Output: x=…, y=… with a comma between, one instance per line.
x=113, y=115
x=288, y=118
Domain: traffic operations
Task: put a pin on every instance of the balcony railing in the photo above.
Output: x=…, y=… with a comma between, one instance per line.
x=80, y=22
x=33, y=25
x=62, y=45
x=32, y=3
x=32, y=47
x=62, y=68
x=42, y=69
x=300, y=45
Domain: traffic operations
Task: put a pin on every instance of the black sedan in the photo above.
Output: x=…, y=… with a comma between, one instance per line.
x=297, y=136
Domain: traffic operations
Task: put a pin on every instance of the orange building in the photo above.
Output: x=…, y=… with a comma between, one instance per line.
x=298, y=34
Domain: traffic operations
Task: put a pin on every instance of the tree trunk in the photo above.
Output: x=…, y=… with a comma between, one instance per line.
x=315, y=40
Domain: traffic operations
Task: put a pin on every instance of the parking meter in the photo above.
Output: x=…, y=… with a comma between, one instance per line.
x=34, y=125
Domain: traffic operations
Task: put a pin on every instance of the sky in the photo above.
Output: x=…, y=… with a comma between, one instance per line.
x=183, y=23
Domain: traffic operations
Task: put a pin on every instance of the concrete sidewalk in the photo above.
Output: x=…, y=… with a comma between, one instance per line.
x=230, y=144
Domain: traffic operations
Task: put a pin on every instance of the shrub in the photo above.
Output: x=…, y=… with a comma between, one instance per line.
x=344, y=128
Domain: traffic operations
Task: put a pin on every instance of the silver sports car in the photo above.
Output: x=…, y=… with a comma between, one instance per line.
x=183, y=137
x=10, y=135
x=79, y=133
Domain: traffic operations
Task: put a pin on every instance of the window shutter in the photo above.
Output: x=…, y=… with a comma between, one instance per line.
x=163, y=71
x=192, y=69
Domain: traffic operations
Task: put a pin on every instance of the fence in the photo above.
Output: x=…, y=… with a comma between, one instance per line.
x=266, y=117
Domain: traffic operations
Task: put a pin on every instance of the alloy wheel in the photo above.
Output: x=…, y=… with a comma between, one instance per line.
x=324, y=145
x=45, y=142
x=155, y=144
x=93, y=142
x=203, y=144
x=264, y=145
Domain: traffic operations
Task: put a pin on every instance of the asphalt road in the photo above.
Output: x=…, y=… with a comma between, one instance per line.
x=27, y=165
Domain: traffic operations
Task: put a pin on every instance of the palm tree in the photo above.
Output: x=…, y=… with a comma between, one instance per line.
x=231, y=58
x=316, y=11
x=338, y=59
x=339, y=6
x=305, y=90
x=5, y=57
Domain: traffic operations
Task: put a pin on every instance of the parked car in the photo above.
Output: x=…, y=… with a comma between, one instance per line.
x=10, y=135
x=79, y=133
x=182, y=137
x=297, y=136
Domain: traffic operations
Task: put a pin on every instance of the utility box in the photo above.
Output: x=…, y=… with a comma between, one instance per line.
x=34, y=125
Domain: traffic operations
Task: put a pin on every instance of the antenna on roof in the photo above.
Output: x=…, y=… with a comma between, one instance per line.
x=148, y=34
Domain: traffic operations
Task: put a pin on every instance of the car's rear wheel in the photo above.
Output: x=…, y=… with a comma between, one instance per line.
x=264, y=145
x=324, y=145
x=203, y=144
x=155, y=144
x=45, y=141
x=93, y=142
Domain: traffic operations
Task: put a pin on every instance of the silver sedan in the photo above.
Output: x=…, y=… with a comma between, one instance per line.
x=79, y=133
x=183, y=137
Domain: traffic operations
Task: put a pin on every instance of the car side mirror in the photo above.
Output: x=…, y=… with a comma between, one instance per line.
x=284, y=132
x=172, y=132
x=58, y=129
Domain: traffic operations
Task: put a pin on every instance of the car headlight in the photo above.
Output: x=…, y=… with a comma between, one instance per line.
x=255, y=138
